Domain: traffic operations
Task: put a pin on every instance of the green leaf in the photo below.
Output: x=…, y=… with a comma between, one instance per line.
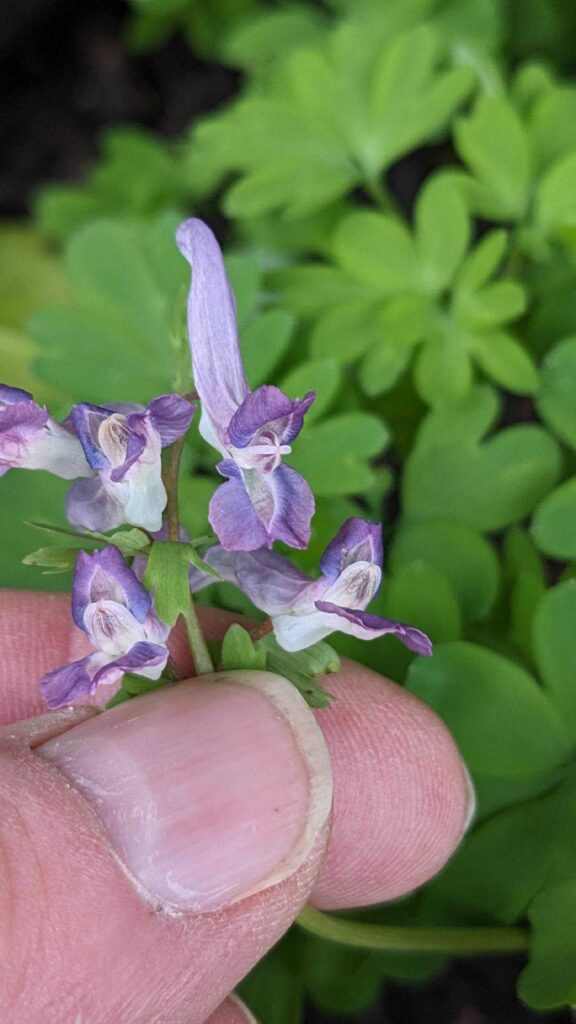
x=420, y=594
x=446, y=475
x=549, y=979
x=328, y=118
x=443, y=370
x=502, y=721
x=135, y=176
x=264, y=341
x=503, y=359
x=167, y=576
x=119, y=340
x=493, y=142
x=556, y=403
x=378, y=251
x=552, y=125
x=29, y=492
x=129, y=542
x=273, y=989
x=302, y=667
x=52, y=560
x=555, y=203
x=499, y=867
x=554, y=523
x=555, y=647
x=442, y=232
x=482, y=262
x=320, y=375
x=333, y=455
x=238, y=650
x=460, y=553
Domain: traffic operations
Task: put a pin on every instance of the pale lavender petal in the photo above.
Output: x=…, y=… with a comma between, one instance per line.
x=293, y=507
x=170, y=415
x=356, y=541
x=104, y=575
x=233, y=518
x=367, y=627
x=85, y=420
x=254, y=509
x=136, y=443
x=9, y=395
x=270, y=581
x=67, y=684
x=269, y=409
x=216, y=361
x=88, y=505
x=20, y=423
x=56, y=450
x=144, y=659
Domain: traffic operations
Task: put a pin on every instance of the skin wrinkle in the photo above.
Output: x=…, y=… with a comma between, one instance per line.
x=123, y=953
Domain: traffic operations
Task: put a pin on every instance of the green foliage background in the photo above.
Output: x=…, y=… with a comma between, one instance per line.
x=440, y=336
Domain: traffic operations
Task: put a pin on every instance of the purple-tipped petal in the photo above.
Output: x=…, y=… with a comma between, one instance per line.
x=67, y=684
x=89, y=506
x=144, y=659
x=216, y=361
x=233, y=518
x=356, y=541
x=170, y=415
x=21, y=423
x=9, y=395
x=369, y=627
x=268, y=409
x=85, y=420
x=252, y=512
x=104, y=576
x=270, y=581
x=293, y=507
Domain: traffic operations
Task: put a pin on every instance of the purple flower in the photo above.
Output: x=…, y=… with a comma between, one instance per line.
x=31, y=439
x=115, y=611
x=304, y=610
x=122, y=446
x=262, y=500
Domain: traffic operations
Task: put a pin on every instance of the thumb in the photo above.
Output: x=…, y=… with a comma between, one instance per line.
x=152, y=854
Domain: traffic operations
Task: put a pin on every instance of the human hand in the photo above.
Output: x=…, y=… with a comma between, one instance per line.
x=196, y=826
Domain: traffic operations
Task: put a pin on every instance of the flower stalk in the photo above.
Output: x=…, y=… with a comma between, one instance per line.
x=452, y=941
x=170, y=476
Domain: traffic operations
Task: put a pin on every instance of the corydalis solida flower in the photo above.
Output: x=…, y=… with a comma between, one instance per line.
x=115, y=611
x=263, y=500
x=122, y=447
x=31, y=439
x=304, y=610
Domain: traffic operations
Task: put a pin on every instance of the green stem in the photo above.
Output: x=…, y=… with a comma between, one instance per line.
x=170, y=475
x=406, y=939
x=200, y=652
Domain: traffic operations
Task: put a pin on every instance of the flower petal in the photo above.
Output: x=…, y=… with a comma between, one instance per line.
x=355, y=586
x=57, y=451
x=104, y=575
x=170, y=415
x=233, y=518
x=268, y=408
x=9, y=395
x=88, y=505
x=69, y=683
x=85, y=420
x=356, y=541
x=367, y=627
x=144, y=658
x=111, y=627
x=216, y=361
x=270, y=581
x=254, y=509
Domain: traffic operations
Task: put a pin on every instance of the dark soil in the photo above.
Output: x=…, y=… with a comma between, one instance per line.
x=65, y=75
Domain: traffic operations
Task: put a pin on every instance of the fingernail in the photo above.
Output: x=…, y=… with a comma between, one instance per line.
x=210, y=791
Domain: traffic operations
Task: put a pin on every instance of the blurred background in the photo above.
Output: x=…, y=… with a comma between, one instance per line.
x=118, y=118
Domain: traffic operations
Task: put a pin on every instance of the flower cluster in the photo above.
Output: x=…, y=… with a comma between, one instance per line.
x=113, y=454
